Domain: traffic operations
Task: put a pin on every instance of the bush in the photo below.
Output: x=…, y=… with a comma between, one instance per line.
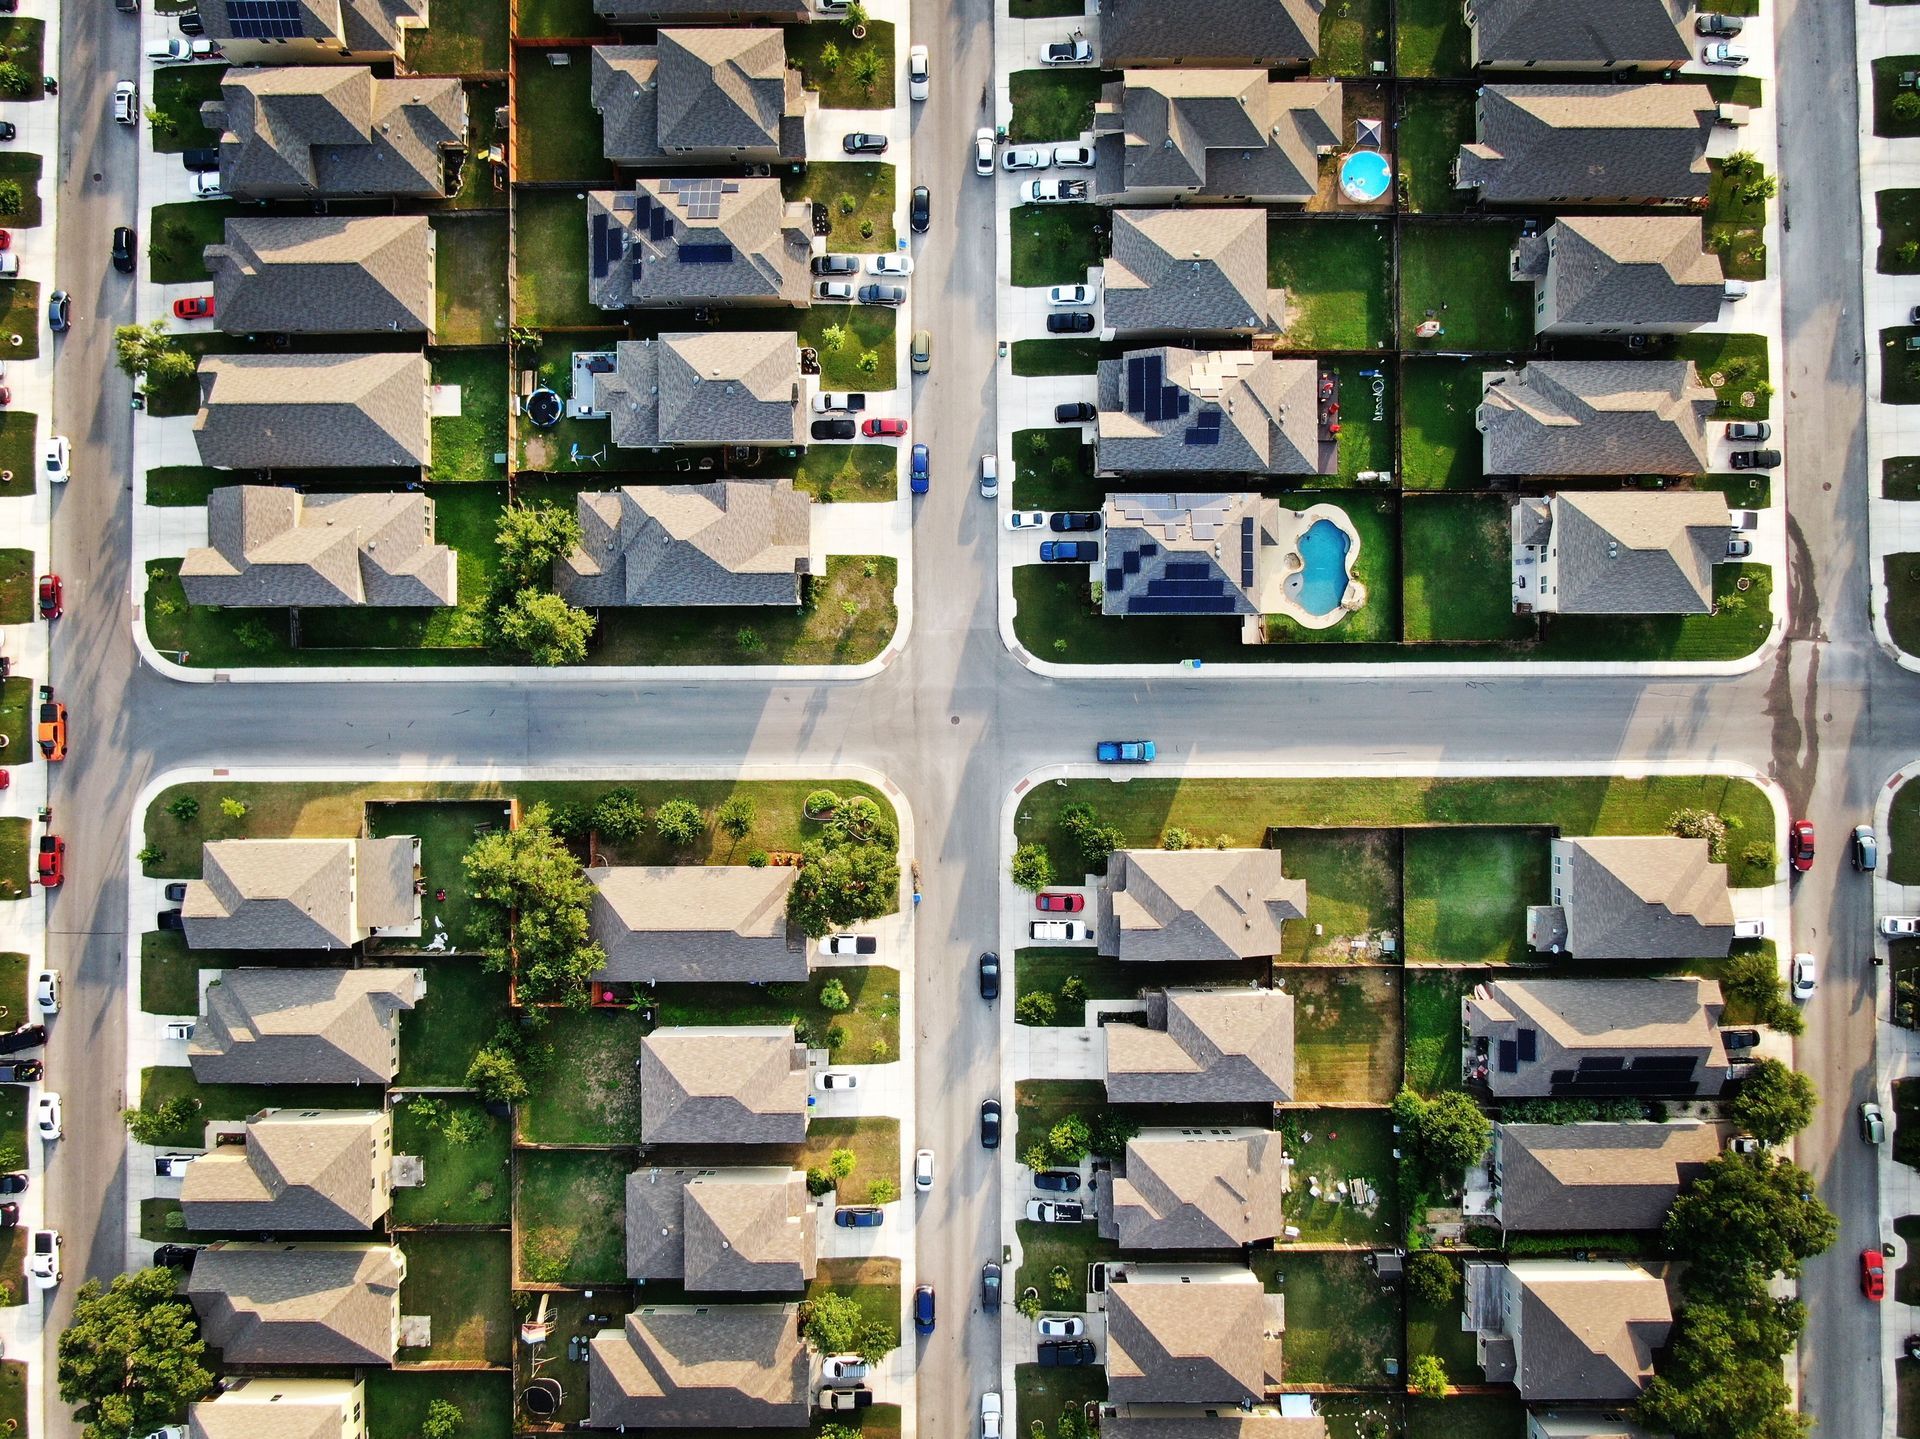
x=1700, y=824
x=13, y=198
x=1028, y=1306
x=184, y=807
x=1035, y=1007
x=1760, y=855
x=1906, y=107
x=882, y=1191
x=1061, y=1278
x=1177, y=838
x=841, y=1162
x=736, y=816
x=679, y=822
x=1427, y=1377
x=1073, y=988
x=495, y=1076
x=1070, y=1141
x=619, y=815
x=233, y=808
x=833, y=997
x=1032, y=869
x=1432, y=1277
x=818, y=1181
x=442, y=1420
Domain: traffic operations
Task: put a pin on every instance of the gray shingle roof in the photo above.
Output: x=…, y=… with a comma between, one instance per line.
x=700, y=12
x=300, y=893
x=324, y=275
x=1258, y=33
x=727, y=542
x=1632, y=552
x=1631, y=272
x=738, y=1084
x=299, y=1303
x=722, y=92
x=1577, y=32
x=262, y=412
x=1592, y=1177
x=1191, y=270
x=1205, y=1046
x=366, y=28
x=1642, y=897
x=273, y=1408
x=1196, y=905
x=749, y=1231
x=1599, y=1020
x=1178, y=1190
x=1229, y=133
x=681, y=924
x=298, y=1172
x=715, y=387
x=750, y=246
x=1269, y=416
x=303, y=1026
x=1594, y=417
x=1571, y=1423
x=656, y=1222
x=1165, y=1421
x=1145, y=533
x=1586, y=1331
x=732, y=1366
x=1215, y=1340
x=1589, y=142
x=272, y=547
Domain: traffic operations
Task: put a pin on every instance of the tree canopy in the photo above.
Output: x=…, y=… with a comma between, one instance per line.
x=1774, y=1102
x=130, y=1358
x=1747, y=1218
x=530, y=873
x=1447, y=1132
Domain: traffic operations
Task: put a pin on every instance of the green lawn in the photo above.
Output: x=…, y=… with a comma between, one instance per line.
x=1045, y=971
x=1887, y=73
x=19, y=455
x=1903, y=600
x=1456, y=580
x=873, y=1019
x=1366, y=442
x=21, y=317
x=1353, y=890
x=176, y=486
x=1343, y=1324
x=1899, y=215
x=398, y=1399
x=1739, y=626
x=850, y=473
x=1330, y=1145
x=464, y=445
x=1435, y=1329
x=23, y=168
x=1041, y=1396
x=1072, y=1247
x=446, y=830
x=1459, y=276
x=1439, y=447
x=556, y=127
x=1467, y=892
x=466, y=37
x=1736, y=225
x=461, y=1282
x=1039, y=1104
x=16, y=587
x=1903, y=831
x=1053, y=104
x=859, y=196
x=1432, y=38
x=1055, y=244
x=1900, y=478
x=1434, y=125
x=1056, y=357
x=559, y=20
x=178, y=236
x=14, y=841
x=1735, y=366
x=14, y=969
x=1466, y=1416
x=571, y=1207
x=468, y=1173
x=463, y=1007
x=13, y=1396
x=585, y=1083
x=470, y=265
x=863, y=330
x=840, y=85
x=237, y=1101
x=173, y=105
x=875, y=1142
x=1053, y=469
x=170, y=972
x=1346, y=1028
x=1432, y=1046
x=16, y=719
x=551, y=228
x=1353, y=34
x=873, y=1284
x=1339, y=283
x=24, y=41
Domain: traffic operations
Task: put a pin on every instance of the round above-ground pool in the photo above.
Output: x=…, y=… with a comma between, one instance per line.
x=1365, y=176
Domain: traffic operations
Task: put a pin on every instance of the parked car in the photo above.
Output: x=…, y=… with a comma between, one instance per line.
x=126, y=103
x=891, y=295
x=1865, y=850
x=989, y=975
x=59, y=311
x=1900, y=926
x=1800, y=844
x=1755, y=460
x=1062, y=552
x=861, y=142
x=169, y=52
x=1061, y=1327
x=923, y=1170
x=1060, y=903
x=51, y=591
x=1727, y=25
x=921, y=353
x=1025, y=157
x=919, y=73
x=1053, y=192
x=1058, y=1181
x=56, y=455
x=835, y=290
x=898, y=266
x=205, y=185
x=171, y=1166
x=207, y=50
x=123, y=249
x=990, y=1124
x=1068, y=52
x=1070, y=322
x=1073, y=412
x=195, y=307
x=46, y=991
x=1067, y=521
x=1873, y=1274
x=833, y=429
x=202, y=159
x=52, y=869
x=859, y=1216
x=843, y=1369
x=1873, y=1124
x=51, y=729
x=176, y=1256
x=176, y=892
x=1802, y=976
x=14, y=1182
x=990, y=1416
x=8, y=130
x=883, y=429
x=46, y=1115
x=1027, y=520
x=1069, y=296
x=1065, y=1353
x=989, y=477
x=1125, y=751
x=20, y=1071
x=983, y=151
x=920, y=209
x=920, y=470
x=1739, y=547
x=1076, y=157
x=989, y=1286
x=23, y=1036
x=1725, y=53
x=834, y=264
x=1758, y=431
x=828, y=402
x=835, y=1079
x=850, y=944
x=1734, y=1041
x=43, y=1258
x=923, y=1309
x=832, y=1399
x=1052, y=930
x=171, y=921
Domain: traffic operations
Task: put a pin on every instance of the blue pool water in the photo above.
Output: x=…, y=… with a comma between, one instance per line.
x=1323, y=551
x=1365, y=175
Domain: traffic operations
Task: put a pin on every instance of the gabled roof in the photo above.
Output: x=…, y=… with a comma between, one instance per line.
x=299, y=1303
x=1230, y=133
x=714, y=387
x=732, y=1366
x=271, y=547
x=275, y=1408
x=261, y=412
x=1191, y=270
x=1171, y=410
x=299, y=893
x=749, y=1230
x=1589, y=142
x=1646, y=1021
x=677, y=240
x=1151, y=545
x=680, y=924
x=1587, y=1331
x=303, y=1026
x=1577, y=32
x=1594, y=417
x=700, y=12
x=1214, y=1340
x=1633, y=552
x=298, y=1171
x=738, y=1084
x=724, y=88
x=727, y=542
x=335, y=130
x=361, y=27
x=1643, y=897
x=324, y=275
x=1179, y=1190
x=1632, y=271
x=1591, y=1177
x=1195, y=905
x=1205, y=1046
x=1258, y=33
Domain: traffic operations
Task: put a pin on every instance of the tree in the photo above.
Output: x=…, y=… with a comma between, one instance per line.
x=1112, y=1130
x=149, y=348
x=15, y=79
x=1032, y=870
x=830, y=57
x=1447, y=1133
x=1432, y=1277
x=1754, y=980
x=1427, y=1377
x=1906, y=107
x=543, y=627
x=882, y=1191
x=495, y=1076
x=619, y=815
x=867, y=66
x=530, y=873
x=130, y=1359
x=529, y=538
x=184, y=807
x=678, y=822
x=442, y=1421
x=843, y=886
x=834, y=998
x=1095, y=841
x=153, y=1126
x=12, y=198
x=1070, y=1141
x=736, y=816
x=1746, y=1219
x=1035, y=1007
x=832, y=1323
x=1774, y=1102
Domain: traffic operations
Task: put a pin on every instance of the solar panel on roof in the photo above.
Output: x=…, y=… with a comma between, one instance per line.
x=1246, y=552
x=659, y=224
x=706, y=254
x=699, y=197
x=1529, y=1043
x=1115, y=578
x=1188, y=570
x=1509, y=1057
x=264, y=19
x=1130, y=563
x=597, y=245
x=1208, y=418
x=1148, y=551
x=1202, y=437
x=1179, y=604
x=1136, y=384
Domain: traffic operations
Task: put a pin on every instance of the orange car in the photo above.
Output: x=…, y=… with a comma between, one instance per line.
x=53, y=726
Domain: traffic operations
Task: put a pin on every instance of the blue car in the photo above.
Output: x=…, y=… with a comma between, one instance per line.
x=1124, y=751
x=923, y=1309
x=920, y=474
x=859, y=1216
x=1068, y=551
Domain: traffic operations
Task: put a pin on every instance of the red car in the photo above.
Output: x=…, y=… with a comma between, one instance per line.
x=198, y=307
x=50, y=597
x=883, y=429
x=1873, y=1274
x=53, y=861
x=1800, y=844
x=1060, y=903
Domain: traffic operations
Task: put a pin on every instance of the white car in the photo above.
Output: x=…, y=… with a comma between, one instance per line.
x=919, y=73
x=9, y=264
x=1749, y=929
x=1059, y=929
x=1802, y=976
x=1725, y=52
x=1053, y=192
x=1025, y=157
x=983, y=151
x=46, y=991
x=843, y=1369
x=126, y=103
x=170, y=52
x=896, y=266
x=989, y=1416
x=989, y=477
x=850, y=944
x=1899, y=926
x=205, y=185
x=1068, y=52
x=923, y=1171
x=831, y=1079
x=57, y=453
x=206, y=50
x=833, y=290
x=43, y=1258
x=1058, y=1327
x=46, y=1115
x=1027, y=520
x=1070, y=297
x=828, y=402
x=1073, y=157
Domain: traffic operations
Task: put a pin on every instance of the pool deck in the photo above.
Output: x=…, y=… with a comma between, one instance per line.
x=1283, y=603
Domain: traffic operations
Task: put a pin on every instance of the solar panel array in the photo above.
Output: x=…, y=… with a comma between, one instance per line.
x=1184, y=587
x=699, y=196
x=264, y=19
x=712, y=254
x=1246, y=552
x=605, y=245
x=1529, y=1041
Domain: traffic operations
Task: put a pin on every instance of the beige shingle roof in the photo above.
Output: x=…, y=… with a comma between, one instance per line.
x=1575, y=1177
x=1642, y=897
x=727, y=542
x=1632, y=272
x=298, y=1171
x=275, y=1408
x=367, y=28
x=1191, y=270
x=299, y=1303
x=1264, y=412
x=1185, y=1191
x=1195, y=905
x=1668, y=1029
x=299, y=893
x=1214, y=1340
x=749, y=1230
x=313, y=411
x=1587, y=1331
x=324, y=275
x=718, y=387
x=1205, y=1046
x=687, y=1366
x=1230, y=133
x=676, y=924
x=1261, y=33
x=678, y=241
x=303, y=1026
x=273, y=547
x=1631, y=552
x=740, y=1084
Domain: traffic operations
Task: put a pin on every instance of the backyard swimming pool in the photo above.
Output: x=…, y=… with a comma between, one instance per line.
x=1323, y=576
x=1365, y=176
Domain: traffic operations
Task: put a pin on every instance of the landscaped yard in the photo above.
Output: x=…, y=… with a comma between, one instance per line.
x=1435, y=1329
x=1056, y=357
x=1039, y=1104
x=1890, y=81
x=557, y=129
x=1459, y=276
x=16, y=716
x=1434, y=125
x=875, y=1142
x=1041, y=1396
x=398, y=1399
x=1353, y=891
x=1455, y=567
x=850, y=473
x=14, y=839
x=1736, y=224
x=1903, y=828
x=845, y=337
x=1334, y=1146
x=466, y=37
x=1467, y=892
x=1055, y=244
x=1346, y=1027
x=1046, y=971
x=1740, y=624
x=1053, y=105
x=16, y=587
x=571, y=1213
x=1045, y=1248
x=550, y=227
x=860, y=75
x=1376, y=519
x=585, y=1079
x=23, y=168
x=1343, y=1324
x=859, y=196
x=1736, y=367
x=465, y=444
x=464, y=1005
x=470, y=262
x=178, y=235
x=18, y=452
x=235, y=1101
x=465, y=1153
x=1353, y=34
x=23, y=41
x=1466, y=1416
x=873, y=1284
x=21, y=317
x=460, y=1281
x=1903, y=600
x=867, y=1032
x=446, y=830
x=1439, y=446
x=174, y=486
x=1339, y=283
x=1053, y=469
x=1899, y=214
x=1366, y=418
x=1431, y=38
x=170, y=972
x=174, y=104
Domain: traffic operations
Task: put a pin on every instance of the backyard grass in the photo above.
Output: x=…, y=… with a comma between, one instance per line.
x=1899, y=215
x=1053, y=469
x=16, y=715
x=174, y=107
x=1887, y=73
x=1466, y=1416
x=1735, y=366
x=237, y=1101
x=446, y=830
x=1376, y=520
x=584, y=1079
x=868, y=1031
x=1343, y=1324
x=460, y=1282
x=18, y=452
x=470, y=263
x=1439, y=446
x=875, y=1142
x=468, y=1172
x=1328, y=1146
x=1741, y=621
x=170, y=973
x=1467, y=892
x=571, y=1215
x=557, y=129
x=1434, y=124
x=869, y=184
x=465, y=37
x=464, y=445
x=1353, y=891
x=464, y=1005
x=1366, y=419
x=14, y=839
x=1056, y=357
x=1346, y=1028
x=1459, y=276
x=1352, y=36
x=1432, y=1026
x=840, y=85
x=1735, y=224
x=850, y=473
x=1339, y=283
x=178, y=235
x=398, y=1399
x=550, y=226
x=1431, y=38
x=1055, y=244
x=1456, y=583
x=863, y=330
x=16, y=587
x=1435, y=1329
x=559, y=20
x=1053, y=104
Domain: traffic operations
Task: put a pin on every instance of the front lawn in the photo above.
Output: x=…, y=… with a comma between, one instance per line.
x=1439, y=446
x=1042, y=1396
x=1903, y=829
x=184, y=486
x=19, y=454
x=1467, y=892
x=1460, y=276
x=858, y=75
x=1456, y=575
x=1056, y=357
x=855, y=344
x=1739, y=625
x=1431, y=38
x=875, y=1142
x=237, y=1101
x=1353, y=891
x=849, y=473
x=21, y=317
x=466, y=1153
x=398, y=1400
x=461, y=1281
x=1053, y=470
x=1434, y=124
x=1334, y=1146
x=173, y=107
x=1055, y=244
x=465, y=37
x=1054, y=1260
x=23, y=168
x=550, y=228
x=1346, y=1033
x=859, y=196
x=15, y=838
x=1902, y=574
x=585, y=1079
x=867, y=1031
x=1339, y=283
x=1039, y=1104
x=464, y=1005
x=16, y=720
x=470, y=265
x=571, y=1215
x=1890, y=82
x=465, y=444
x=170, y=972
x=1899, y=215
x=17, y=593
x=1053, y=105
x=557, y=129
x=873, y=1284
x=1343, y=1324
x=24, y=42
x=178, y=235
x=1432, y=1017
x=1735, y=223
x=1047, y=971
x=1735, y=366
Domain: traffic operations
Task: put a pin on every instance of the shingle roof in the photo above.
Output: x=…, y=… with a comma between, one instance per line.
x=1577, y=32
x=681, y=924
x=749, y=1231
x=1643, y=897
x=298, y=1303
x=297, y=1172
x=1588, y=1177
x=324, y=275
x=365, y=28
x=750, y=245
x=739, y=1084
x=273, y=1408
x=1195, y=905
x=1650, y=1020
x=1178, y=1190
x=1145, y=534
x=656, y=1221
x=1259, y=33
x=1163, y=1421
x=1231, y=133
x=699, y=12
x=1268, y=413
x=1631, y=271
x=303, y=1026
x=727, y=542
x=1587, y=1331
x=330, y=130
x=1571, y=1423
x=716, y=387
x=271, y=547
x=1191, y=270
x=1215, y=1340
x=1207, y=1046
x=1632, y=552
x=262, y=412
x=1589, y=142
x=685, y=1366
x=299, y=893
x=1594, y=417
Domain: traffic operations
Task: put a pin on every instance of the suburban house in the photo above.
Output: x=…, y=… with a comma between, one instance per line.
x=1191, y=1334
x=1630, y=552
x=294, y=1171
x=1178, y=1189
x=1161, y=136
x=311, y=412
x=1594, y=417
x=333, y=132
x=303, y=1026
x=281, y=1409
x=1170, y=410
x=1574, y=1423
x=1191, y=272
x=696, y=924
x=301, y=893
x=1204, y=1046
x=734, y=1231
x=726, y=542
x=1195, y=905
x=1578, y=35
x=1634, y=896
x=703, y=12
x=720, y=1366
x=1592, y=1178
x=1239, y=34
x=1193, y=554
x=311, y=32
x=273, y=547
x=723, y=94
x=325, y=275
x=1563, y=1330
x=723, y=1084
x=1595, y=1038
x=713, y=387
x=299, y=1303
x=675, y=242
x=1292, y=1418
x=1620, y=275
x=1588, y=144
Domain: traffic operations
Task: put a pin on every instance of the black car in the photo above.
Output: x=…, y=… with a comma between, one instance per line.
x=1736, y=1040
x=882, y=294
x=832, y=429
x=27, y=1036
x=990, y=1124
x=190, y=23
x=1073, y=413
x=19, y=1071
x=1755, y=459
x=836, y=264
x=923, y=1309
x=990, y=1286
x=176, y=1256
x=123, y=258
x=1069, y=322
x=920, y=212
x=1074, y=520
x=1723, y=27
x=13, y=1182
x=862, y=143
x=59, y=311
x=169, y=919
x=989, y=975
x=176, y=893
x=1065, y=1353
x=1058, y=1181
x=8, y=129
x=201, y=161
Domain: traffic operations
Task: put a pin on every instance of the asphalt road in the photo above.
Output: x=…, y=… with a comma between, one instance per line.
x=955, y=721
